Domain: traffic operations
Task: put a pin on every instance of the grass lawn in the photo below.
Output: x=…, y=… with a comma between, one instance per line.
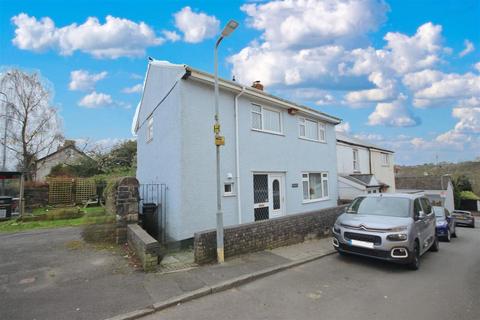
x=92, y=215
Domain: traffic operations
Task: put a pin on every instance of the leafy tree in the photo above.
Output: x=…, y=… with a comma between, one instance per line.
x=463, y=183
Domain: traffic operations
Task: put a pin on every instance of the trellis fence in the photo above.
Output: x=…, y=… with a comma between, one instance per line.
x=72, y=190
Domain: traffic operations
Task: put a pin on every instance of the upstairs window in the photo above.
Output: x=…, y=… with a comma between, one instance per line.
x=311, y=129
x=266, y=119
x=385, y=159
x=150, y=129
x=356, y=163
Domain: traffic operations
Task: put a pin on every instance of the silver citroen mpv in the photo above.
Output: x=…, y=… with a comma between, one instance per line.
x=389, y=226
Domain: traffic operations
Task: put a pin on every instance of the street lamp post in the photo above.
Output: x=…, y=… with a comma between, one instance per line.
x=219, y=141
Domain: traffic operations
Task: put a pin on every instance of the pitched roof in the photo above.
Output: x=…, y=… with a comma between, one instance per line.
x=360, y=143
x=205, y=77
x=69, y=146
x=422, y=183
x=367, y=180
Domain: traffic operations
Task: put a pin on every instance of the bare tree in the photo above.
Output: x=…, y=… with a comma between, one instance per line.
x=35, y=129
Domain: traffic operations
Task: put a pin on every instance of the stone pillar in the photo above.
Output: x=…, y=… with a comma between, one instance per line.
x=125, y=205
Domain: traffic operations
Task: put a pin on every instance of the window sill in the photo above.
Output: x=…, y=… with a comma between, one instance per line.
x=269, y=132
x=230, y=195
x=315, y=200
x=312, y=140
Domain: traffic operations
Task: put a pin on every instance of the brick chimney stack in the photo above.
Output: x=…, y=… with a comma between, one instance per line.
x=257, y=85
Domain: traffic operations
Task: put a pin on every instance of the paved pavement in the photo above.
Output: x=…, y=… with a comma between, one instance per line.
x=52, y=274
x=447, y=286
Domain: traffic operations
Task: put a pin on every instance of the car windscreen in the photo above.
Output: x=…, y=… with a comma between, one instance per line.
x=380, y=206
x=439, y=212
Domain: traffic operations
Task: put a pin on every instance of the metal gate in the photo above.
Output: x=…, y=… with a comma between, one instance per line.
x=156, y=194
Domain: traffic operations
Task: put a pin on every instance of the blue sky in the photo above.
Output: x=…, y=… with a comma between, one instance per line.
x=401, y=74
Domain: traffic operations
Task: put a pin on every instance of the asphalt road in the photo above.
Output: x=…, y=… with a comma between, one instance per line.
x=447, y=286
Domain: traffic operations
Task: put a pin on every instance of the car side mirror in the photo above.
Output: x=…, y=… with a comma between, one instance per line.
x=421, y=215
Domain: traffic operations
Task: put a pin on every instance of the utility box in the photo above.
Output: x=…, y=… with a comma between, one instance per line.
x=5, y=207
x=148, y=219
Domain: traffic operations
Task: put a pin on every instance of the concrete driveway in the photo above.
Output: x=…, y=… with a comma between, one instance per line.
x=53, y=274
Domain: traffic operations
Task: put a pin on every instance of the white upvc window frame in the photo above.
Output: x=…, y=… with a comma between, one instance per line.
x=323, y=179
x=149, y=135
x=262, y=118
x=385, y=159
x=356, y=160
x=230, y=193
x=321, y=129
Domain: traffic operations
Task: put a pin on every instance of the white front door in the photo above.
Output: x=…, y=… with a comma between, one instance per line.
x=268, y=195
x=277, y=194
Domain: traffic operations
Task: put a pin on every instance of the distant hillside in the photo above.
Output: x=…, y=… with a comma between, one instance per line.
x=470, y=168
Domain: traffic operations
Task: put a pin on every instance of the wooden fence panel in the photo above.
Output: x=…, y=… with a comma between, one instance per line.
x=85, y=189
x=60, y=190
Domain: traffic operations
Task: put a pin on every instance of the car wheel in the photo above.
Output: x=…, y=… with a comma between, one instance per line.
x=415, y=262
x=448, y=237
x=435, y=245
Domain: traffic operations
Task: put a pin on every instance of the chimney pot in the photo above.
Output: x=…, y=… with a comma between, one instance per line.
x=257, y=85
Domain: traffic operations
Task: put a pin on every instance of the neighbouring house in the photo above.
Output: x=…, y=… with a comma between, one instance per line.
x=439, y=189
x=278, y=159
x=67, y=153
x=363, y=168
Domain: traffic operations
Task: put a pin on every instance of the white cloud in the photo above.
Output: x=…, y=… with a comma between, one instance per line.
x=417, y=52
x=451, y=85
x=134, y=89
x=343, y=127
x=289, y=23
x=369, y=137
x=82, y=80
x=286, y=66
x=196, y=26
x=469, y=119
x=477, y=66
x=469, y=47
x=421, y=79
x=95, y=100
x=172, y=36
x=385, y=90
x=393, y=114
x=115, y=38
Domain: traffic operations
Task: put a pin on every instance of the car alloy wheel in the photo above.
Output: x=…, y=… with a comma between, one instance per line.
x=415, y=263
x=435, y=245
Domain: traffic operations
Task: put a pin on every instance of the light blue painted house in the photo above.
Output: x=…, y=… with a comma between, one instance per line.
x=279, y=158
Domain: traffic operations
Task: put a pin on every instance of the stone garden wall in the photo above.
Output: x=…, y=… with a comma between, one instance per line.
x=266, y=234
x=146, y=248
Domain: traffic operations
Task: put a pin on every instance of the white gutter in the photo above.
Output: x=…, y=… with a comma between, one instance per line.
x=232, y=86
x=237, y=156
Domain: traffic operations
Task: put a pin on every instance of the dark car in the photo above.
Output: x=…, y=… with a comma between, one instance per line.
x=445, y=224
x=464, y=218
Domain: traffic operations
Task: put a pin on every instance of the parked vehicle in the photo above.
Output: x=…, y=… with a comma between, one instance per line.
x=464, y=218
x=394, y=227
x=445, y=224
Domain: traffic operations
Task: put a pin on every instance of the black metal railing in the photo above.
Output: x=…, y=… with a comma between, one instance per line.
x=154, y=194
